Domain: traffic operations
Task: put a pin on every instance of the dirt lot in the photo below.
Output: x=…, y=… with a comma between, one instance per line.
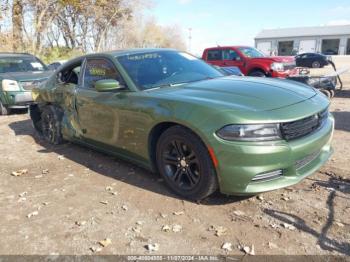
x=72, y=197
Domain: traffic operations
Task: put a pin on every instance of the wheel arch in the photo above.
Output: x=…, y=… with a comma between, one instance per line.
x=156, y=132
x=258, y=69
x=35, y=111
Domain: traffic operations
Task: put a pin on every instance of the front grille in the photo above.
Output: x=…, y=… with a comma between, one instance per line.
x=303, y=127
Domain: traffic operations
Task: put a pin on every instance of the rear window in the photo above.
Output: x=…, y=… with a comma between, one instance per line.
x=214, y=55
x=21, y=64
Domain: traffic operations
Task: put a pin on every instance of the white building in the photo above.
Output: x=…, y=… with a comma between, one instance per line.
x=330, y=40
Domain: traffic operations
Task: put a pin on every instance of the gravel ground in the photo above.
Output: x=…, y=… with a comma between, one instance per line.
x=71, y=198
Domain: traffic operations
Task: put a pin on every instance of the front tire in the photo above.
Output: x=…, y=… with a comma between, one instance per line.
x=257, y=73
x=51, y=118
x=4, y=110
x=185, y=164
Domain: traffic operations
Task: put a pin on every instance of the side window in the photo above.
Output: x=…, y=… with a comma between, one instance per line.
x=99, y=69
x=229, y=54
x=214, y=55
x=70, y=75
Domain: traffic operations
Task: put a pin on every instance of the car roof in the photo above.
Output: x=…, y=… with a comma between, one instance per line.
x=310, y=53
x=132, y=51
x=8, y=54
x=116, y=53
x=231, y=46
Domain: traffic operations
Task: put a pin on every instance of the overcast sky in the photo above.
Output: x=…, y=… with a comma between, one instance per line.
x=229, y=22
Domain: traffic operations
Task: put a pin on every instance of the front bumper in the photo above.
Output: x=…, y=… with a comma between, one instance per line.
x=283, y=74
x=19, y=99
x=240, y=162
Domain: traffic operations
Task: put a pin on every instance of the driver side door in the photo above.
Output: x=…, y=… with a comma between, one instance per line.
x=99, y=112
x=232, y=58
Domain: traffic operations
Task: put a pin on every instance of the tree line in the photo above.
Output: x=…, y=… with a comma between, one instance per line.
x=55, y=28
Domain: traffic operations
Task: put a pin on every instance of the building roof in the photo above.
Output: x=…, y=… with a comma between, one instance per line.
x=304, y=31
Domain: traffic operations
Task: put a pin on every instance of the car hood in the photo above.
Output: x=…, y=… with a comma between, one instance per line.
x=279, y=59
x=240, y=93
x=26, y=76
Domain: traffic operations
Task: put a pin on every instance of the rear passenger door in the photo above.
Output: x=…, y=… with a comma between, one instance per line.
x=214, y=57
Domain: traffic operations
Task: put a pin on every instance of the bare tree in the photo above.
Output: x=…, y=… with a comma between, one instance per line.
x=39, y=26
x=17, y=25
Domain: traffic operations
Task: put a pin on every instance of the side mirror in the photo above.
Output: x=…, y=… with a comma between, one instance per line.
x=107, y=85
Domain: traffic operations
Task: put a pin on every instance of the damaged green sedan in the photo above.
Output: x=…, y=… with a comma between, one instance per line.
x=174, y=114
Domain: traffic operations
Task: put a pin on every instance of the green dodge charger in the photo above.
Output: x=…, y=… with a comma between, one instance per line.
x=174, y=114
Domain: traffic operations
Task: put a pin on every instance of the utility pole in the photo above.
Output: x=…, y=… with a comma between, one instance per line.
x=189, y=39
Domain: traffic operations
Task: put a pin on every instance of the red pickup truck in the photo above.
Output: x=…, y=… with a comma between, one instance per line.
x=250, y=61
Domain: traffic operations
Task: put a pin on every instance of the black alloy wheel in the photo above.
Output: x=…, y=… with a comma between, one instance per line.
x=184, y=162
x=181, y=164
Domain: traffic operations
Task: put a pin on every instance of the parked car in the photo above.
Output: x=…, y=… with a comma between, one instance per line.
x=54, y=65
x=172, y=113
x=250, y=61
x=19, y=73
x=312, y=60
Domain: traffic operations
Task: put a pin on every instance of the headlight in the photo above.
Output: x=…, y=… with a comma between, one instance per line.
x=262, y=132
x=10, y=85
x=277, y=67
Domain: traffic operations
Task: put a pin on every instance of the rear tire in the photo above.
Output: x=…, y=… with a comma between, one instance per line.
x=257, y=73
x=185, y=164
x=35, y=115
x=4, y=110
x=51, y=118
x=316, y=64
x=332, y=93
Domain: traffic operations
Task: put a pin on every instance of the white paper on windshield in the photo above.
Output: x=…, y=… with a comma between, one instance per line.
x=189, y=57
x=36, y=65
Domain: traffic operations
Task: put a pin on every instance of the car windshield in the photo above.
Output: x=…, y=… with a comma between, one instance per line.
x=21, y=64
x=251, y=52
x=166, y=68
